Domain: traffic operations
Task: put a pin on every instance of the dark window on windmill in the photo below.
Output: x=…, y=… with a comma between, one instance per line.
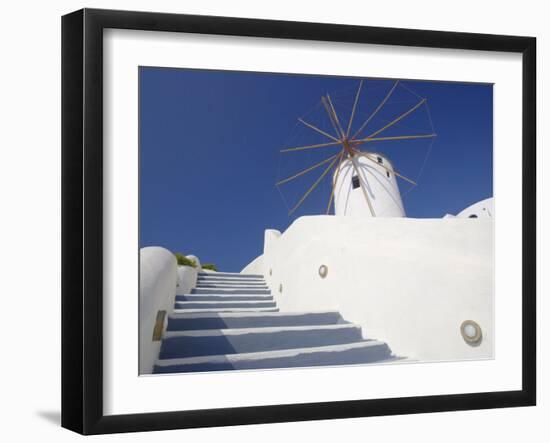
x=355, y=182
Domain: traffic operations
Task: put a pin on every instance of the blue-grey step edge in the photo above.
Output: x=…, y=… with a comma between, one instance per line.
x=242, y=289
x=229, y=291
x=179, y=344
x=186, y=321
x=230, y=279
x=220, y=310
x=229, y=274
x=251, y=281
x=365, y=352
x=224, y=297
x=224, y=304
x=231, y=285
x=232, y=282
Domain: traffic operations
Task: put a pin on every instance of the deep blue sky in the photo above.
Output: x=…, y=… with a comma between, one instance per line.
x=209, y=154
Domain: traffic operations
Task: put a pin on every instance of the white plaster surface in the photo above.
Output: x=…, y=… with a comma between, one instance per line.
x=161, y=278
x=482, y=209
x=158, y=278
x=187, y=279
x=409, y=282
x=196, y=260
x=270, y=236
x=379, y=184
x=256, y=266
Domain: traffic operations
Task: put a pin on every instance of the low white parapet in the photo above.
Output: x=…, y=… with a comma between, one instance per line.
x=409, y=282
x=187, y=277
x=196, y=260
x=270, y=237
x=157, y=291
x=256, y=266
x=160, y=279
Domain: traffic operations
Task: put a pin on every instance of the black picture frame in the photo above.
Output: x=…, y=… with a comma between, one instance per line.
x=82, y=218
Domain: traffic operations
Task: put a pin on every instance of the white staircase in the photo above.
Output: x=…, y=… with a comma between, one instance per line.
x=231, y=321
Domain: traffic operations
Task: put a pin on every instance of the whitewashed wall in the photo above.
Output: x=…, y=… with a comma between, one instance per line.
x=256, y=266
x=380, y=185
x=410, y=282
x=187, y=279
x=482, y=209
x=158, y=279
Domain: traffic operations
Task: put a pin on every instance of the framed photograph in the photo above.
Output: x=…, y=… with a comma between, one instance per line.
x=269, y=221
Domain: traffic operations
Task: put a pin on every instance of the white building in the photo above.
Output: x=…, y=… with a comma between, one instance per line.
x=412, y=283
x=374, y=177
x=367, y=187
x=481, y=209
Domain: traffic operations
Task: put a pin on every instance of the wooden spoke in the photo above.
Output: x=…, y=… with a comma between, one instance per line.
x=397, y=137
x=365, y=193
x=330, y=116
x=320, y=131
x=334, y=181
x=311, y=168
x=354, y=107
x=388, y=169
x=302, y=148
x=340, y=129
x=401, y=117
x=313, y=186
x=380, y=106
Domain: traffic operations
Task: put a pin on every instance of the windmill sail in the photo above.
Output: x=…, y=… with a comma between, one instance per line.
x=344, y=153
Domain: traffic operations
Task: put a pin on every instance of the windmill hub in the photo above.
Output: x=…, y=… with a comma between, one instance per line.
x=349, y=150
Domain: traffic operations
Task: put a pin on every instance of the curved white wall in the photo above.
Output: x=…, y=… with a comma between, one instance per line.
x=270, y=237
x=187, y=279
x=482, y=209
x=379, y=183
x=187, y=276
x=256, y=266
x=410, y=282
x=196, y=260
x=158, y=279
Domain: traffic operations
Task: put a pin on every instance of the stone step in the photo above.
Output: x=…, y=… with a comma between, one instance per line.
x=230, y=291
x=233, y=282
x=186, y=321
x=364, y=352
x=229, y=274
x=260, y=285
x=218, y=310
x=180, y=344
x=224, y=297
x=236, y=288
x=237, y=281
x=224, y=304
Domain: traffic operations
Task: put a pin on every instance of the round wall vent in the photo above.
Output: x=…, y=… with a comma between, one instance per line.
x=471, y=332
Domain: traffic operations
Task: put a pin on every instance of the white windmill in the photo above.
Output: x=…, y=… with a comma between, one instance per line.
x=364, y=182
